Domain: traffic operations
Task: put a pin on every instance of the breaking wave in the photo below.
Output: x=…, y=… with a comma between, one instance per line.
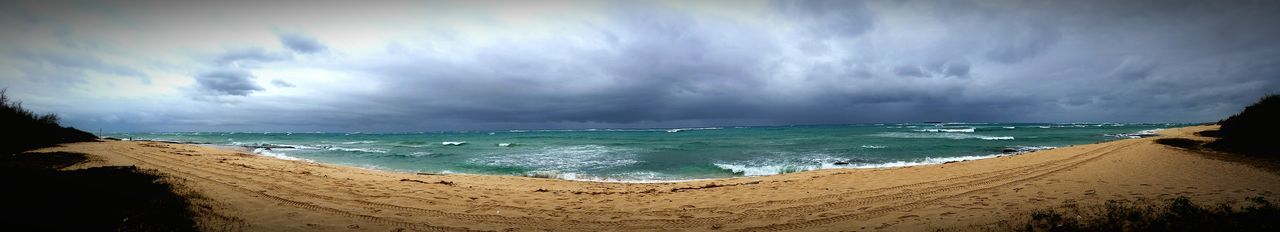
x=912, y=135
x=1135, y=135
x=567, y=158
x=959, y=130
x=764, y=169
x=269, y=153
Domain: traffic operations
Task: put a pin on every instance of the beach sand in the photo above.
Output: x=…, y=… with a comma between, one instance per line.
x=277, y=195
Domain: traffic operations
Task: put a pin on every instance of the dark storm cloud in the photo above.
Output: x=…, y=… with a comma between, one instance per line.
x=301, y=43
x=667, y=65
x=791, y=62
x=1023, y=42
x=663, y=65
x=227, y=82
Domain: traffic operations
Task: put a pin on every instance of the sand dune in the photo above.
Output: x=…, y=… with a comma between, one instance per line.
x=278, y=195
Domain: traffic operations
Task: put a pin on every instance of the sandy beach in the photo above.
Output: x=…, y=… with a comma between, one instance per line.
x=267, y=194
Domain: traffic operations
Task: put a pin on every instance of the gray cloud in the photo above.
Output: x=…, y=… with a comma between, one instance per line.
x=301, y=44
x=233, y=82
x=247, y=57
x=829, y=18
x=281, y=83
x=1023, y=41
x=70, y=64
x=794, y=62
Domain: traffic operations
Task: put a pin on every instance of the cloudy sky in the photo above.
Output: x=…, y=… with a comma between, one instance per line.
x=467, y=65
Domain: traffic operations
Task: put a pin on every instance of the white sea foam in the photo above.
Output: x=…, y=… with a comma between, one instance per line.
x=626, y=177
x=872, y=146
x=948, y=130
x=272, y=154
x=1032, y=148
x=914, y=135
x=368, y=150
x=504, y=144
x=567, y=158
x=766, y=170
x=924, y=161
x=453, y=143
x=780, y=162
x=774, y=169
x=1139, y=134
x=692, y=129
x=1010, y=127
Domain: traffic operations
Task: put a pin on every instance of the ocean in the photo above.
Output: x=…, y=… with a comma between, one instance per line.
x=666, y=154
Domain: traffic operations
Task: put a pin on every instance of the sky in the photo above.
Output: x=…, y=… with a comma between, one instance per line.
x=344, y=66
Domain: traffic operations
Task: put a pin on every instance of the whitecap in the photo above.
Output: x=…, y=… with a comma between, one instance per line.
x=948, y=130
x=367, y=150
x=453, y=143
x=692, y=129
x=566, y=158
x=910, y=135
x=872, y=146
x=774, y=169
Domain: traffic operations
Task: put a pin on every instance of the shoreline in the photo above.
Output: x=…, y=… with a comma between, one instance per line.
x=263, y=149
x=304, y=196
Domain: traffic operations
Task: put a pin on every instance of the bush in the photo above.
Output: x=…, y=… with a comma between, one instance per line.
x=26, y=130
x=1178, y=214
x=1251, y=131
x=39, y=197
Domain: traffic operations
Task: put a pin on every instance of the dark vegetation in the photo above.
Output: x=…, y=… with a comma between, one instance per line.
x=1180, y=143
x=1179, y=214
x=1252, y=131
x=37, y=196
x=1248, y=133
x=1243, y=138
x=24, y=130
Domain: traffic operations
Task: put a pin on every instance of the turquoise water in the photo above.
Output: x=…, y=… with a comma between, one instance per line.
x=665, y=154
